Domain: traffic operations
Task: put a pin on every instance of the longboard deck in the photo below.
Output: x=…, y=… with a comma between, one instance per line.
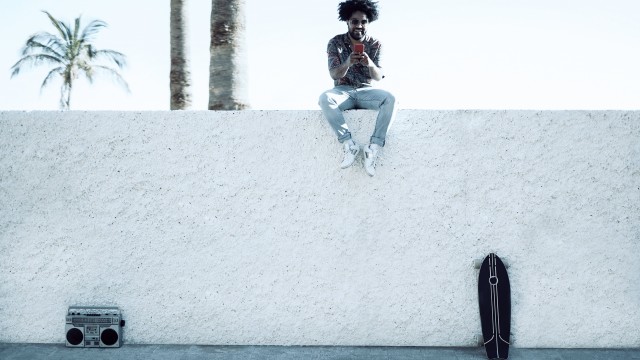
x=494, y=299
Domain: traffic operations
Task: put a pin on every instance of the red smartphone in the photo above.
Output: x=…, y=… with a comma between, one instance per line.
x=358, y=48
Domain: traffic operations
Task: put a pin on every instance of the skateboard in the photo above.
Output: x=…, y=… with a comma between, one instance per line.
x=494, y=299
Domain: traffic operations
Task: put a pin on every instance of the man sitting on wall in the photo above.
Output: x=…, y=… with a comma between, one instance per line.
x=354, y=61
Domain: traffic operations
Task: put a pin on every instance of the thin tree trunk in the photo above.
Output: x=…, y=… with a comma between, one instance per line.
x=65, y=96
x=228, y=57
x=180, y=75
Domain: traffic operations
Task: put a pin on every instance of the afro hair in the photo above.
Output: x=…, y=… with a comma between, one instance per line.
x=347, y=8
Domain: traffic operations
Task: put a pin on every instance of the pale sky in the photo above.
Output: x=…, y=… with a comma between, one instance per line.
x=445, y=54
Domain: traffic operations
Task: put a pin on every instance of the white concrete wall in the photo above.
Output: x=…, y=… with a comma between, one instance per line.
x=240, y=228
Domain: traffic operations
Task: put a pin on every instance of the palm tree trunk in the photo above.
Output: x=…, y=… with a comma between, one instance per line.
x=228, y=57
x=68, y=103
x=180, y=75
x=65, y=95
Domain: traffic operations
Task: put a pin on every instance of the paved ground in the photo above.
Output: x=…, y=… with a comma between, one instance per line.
x=189, y=352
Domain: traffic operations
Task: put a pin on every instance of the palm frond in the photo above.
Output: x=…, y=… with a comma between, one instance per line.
x=57, y=71
x=44, y=43
x=76, y=28
x=33, y=60
x=117, y=57
x=114, y=75
x=62, y=28
x=91, y=29
x=68, y=31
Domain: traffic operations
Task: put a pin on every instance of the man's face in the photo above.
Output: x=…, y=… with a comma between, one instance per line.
x=358, y=25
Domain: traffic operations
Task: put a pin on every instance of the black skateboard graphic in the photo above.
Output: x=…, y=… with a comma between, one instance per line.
x=494, y=299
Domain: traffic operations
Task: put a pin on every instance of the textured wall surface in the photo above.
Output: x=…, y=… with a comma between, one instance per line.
x=240, y=228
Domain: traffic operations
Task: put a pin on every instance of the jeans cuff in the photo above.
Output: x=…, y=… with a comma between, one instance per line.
x=377, y=141
x=344, y=137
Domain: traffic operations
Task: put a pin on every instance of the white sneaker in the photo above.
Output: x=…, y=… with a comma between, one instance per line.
x=370, y=158
x=351, y=151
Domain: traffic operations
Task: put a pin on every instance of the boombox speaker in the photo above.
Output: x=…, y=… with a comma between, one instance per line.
x=94, y=326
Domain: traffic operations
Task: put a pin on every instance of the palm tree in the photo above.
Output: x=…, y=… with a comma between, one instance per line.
x=180, y=76
x=71, y=54
x=227, y=68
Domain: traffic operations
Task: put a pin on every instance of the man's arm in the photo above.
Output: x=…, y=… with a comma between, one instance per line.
x=355, y=58
x=341, y=70
x=375, y=72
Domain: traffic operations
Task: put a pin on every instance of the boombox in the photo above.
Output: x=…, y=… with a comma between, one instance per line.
x=94, y=326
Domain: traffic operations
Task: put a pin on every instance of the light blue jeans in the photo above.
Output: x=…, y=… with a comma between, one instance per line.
x=343, y=97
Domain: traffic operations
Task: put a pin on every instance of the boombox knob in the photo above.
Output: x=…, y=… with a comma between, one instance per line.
x=121, y=323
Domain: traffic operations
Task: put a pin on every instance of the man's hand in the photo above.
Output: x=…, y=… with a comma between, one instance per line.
x=354, y=58
x=359, y=58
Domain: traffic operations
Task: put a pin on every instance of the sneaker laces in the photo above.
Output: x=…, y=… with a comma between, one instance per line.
x=373, y=155
x=352, y=148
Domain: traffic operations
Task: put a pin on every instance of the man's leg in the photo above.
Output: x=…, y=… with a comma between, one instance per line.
x=385, y=103
x=333, y=102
